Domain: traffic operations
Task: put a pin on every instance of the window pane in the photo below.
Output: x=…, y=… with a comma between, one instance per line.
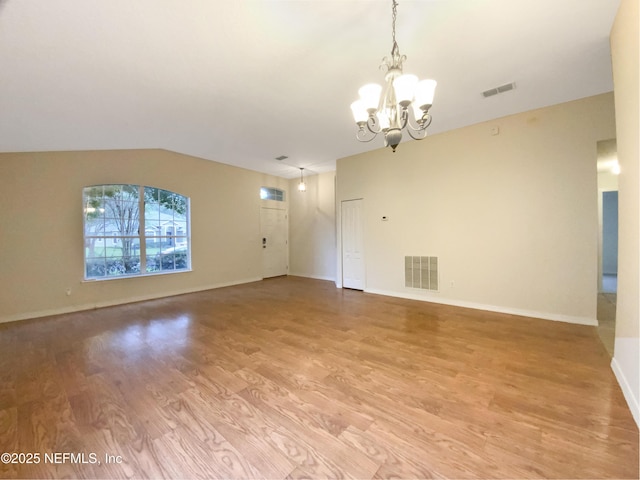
x=121, y=265
x=151, y=195
x=114, y=266
x=123, y=219
x=95, y=267
x=94, y=226
x=175, y=256
x=181, y=228
x=93, y=247
x=154, y=245
x=132, y=264
x=153, y=263
x=93, y=210
x=152, y=216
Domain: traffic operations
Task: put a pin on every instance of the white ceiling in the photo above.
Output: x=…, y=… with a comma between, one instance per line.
x=245, y=81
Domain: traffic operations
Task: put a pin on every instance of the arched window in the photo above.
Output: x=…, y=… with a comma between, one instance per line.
x=134, y=230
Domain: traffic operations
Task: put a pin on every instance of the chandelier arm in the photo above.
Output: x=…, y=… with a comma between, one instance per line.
x=422, y=133
x=421, y=124
x=371, y=125
x=413, y=125
x=404, y=119
x=363, y=138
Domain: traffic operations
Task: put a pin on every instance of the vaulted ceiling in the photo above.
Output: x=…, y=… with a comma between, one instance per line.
x=245, y=81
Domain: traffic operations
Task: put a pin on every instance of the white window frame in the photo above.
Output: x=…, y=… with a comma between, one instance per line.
x=142, y=238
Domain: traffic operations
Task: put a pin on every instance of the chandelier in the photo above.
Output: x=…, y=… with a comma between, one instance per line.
x=389, y=113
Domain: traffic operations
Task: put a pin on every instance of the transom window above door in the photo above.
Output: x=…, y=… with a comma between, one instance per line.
x=270, y=193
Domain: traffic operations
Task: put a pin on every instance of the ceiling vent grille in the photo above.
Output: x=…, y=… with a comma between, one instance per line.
x=501, y=89
x=282, y=157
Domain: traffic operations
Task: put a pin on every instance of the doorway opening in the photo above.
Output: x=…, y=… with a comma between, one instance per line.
x=608, y=170
x=610, y=242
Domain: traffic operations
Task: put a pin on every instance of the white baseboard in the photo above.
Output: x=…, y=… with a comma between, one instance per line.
x=315, y=277
x=410, y=296
x=627, y=391
x=120, y=301
x=490, y=308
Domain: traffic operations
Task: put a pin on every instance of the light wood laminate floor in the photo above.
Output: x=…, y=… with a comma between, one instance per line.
x=607, y=320
x=293, y=378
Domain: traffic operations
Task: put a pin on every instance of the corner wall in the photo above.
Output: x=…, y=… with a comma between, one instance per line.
x=41, y=227
x=511, y=217
x=312, y=227
x=625, y=52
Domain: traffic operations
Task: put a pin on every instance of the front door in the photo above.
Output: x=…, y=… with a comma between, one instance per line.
x=274, y=231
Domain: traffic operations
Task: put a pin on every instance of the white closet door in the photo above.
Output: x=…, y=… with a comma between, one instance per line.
x=352, y=245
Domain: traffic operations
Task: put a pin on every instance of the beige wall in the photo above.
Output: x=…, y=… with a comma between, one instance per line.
x=511, y=217
x=41, y=226
x=625, y=39
x=607, y=182
x=312, y=231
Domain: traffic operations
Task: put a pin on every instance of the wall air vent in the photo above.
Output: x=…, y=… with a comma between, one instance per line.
x=421, y=272
x=501, y=89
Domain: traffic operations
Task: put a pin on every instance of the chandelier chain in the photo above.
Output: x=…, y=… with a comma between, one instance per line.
x=393, y=26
